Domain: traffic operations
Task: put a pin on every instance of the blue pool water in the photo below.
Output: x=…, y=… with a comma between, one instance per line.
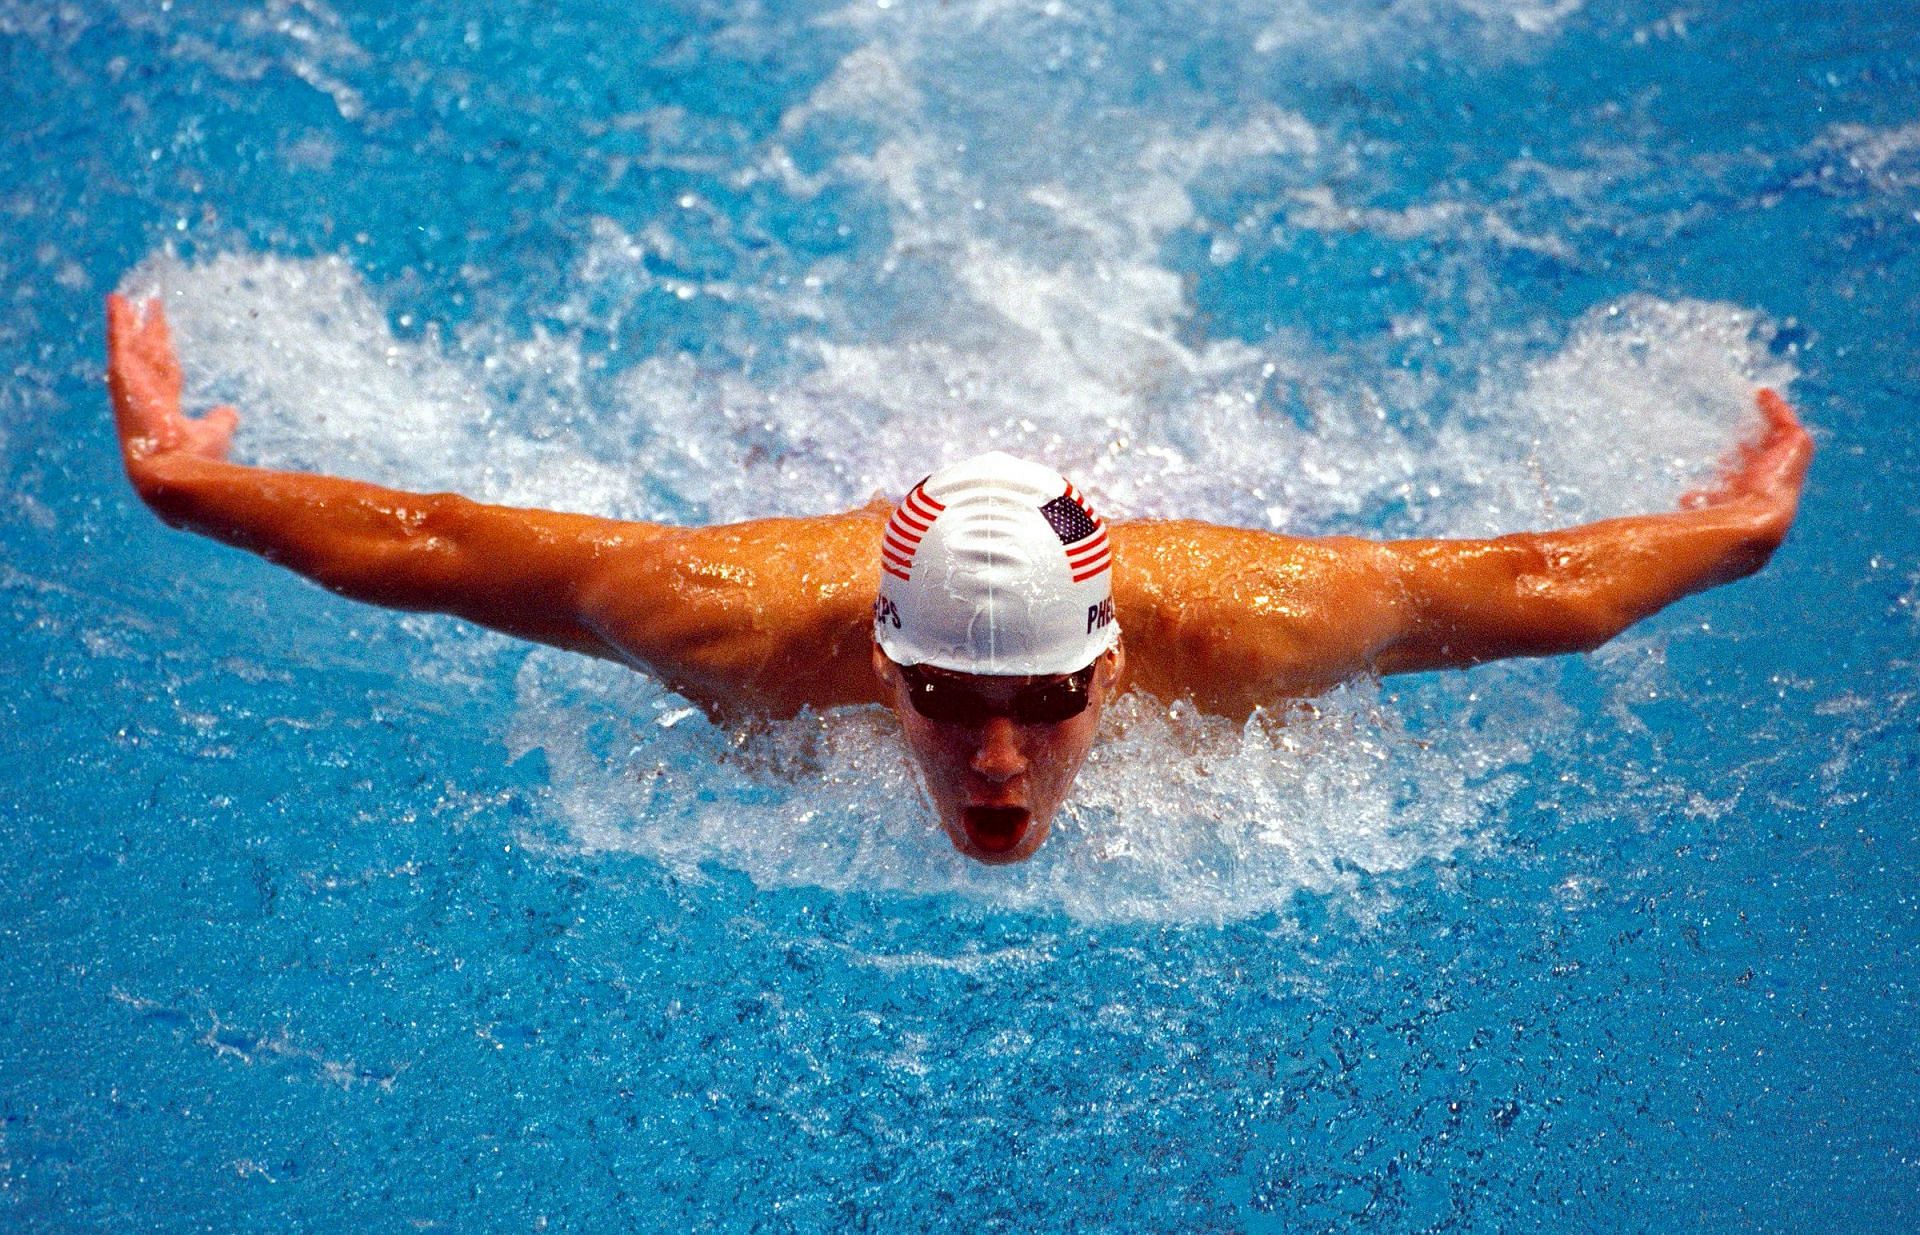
x=319, y=917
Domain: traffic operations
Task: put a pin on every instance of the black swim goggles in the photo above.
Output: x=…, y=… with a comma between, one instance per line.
x=948, y=698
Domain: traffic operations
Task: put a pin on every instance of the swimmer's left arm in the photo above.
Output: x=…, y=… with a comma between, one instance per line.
x=1237, y=619
x=1546, y=593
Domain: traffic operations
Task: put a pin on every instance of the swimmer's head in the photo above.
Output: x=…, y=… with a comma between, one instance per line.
x=996, y=644
x=995, y=566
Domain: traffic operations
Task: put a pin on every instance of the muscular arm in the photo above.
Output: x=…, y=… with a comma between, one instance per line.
x=521, y=572
x=762, y=616
x=1238, y=619
x=1543, y=593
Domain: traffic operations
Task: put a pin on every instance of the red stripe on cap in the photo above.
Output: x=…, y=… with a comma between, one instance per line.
x=922, y=506
x=898, y=574
x=1086, y=551
x=902, y=554
x=898, y=527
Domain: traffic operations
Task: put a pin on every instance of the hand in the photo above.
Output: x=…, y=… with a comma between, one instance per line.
x=144, y=378
x=1766, y=471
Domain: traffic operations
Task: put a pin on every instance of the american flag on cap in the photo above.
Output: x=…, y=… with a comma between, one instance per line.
x=911, y=519
x=1081, y=532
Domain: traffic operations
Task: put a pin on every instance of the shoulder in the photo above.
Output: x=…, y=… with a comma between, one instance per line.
x=1187, y=563
x=1237, y=617
x=771, y=613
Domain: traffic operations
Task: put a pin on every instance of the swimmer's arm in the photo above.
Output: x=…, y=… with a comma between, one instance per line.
x=516, y=571
x=1235, y=619
x=1541, y=594
x=768, y=616
x=764, y=617
x=759, y=618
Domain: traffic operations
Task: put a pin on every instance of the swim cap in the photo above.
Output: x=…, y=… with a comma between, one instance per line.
x=995, y=566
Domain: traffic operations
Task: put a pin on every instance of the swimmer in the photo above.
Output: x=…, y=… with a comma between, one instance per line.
x=985, y=609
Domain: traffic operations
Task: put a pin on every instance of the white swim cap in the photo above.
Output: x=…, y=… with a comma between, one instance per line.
x=995, y=566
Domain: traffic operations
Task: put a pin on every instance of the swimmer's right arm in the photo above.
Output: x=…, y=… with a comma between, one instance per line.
x=515, y=571
x=767, y=616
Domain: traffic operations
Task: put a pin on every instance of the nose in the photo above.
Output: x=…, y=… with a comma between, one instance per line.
x=998, y=757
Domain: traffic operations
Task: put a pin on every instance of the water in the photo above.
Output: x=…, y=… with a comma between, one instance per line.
x=323, y=916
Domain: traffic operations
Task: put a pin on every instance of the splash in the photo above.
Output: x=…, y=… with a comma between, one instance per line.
x=1877, y=167
x=1177, y=816
x=1021, y=295
x=324, y=383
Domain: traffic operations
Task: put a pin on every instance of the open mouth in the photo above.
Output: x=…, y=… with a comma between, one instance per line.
x=996, y=829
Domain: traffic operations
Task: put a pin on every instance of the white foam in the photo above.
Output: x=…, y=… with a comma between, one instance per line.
x=1883, y=160
x=1318, y=209
x=324, y=384
x=1371, y=30
x=1638, y=406
x=1873, y=149
x=1177, y=816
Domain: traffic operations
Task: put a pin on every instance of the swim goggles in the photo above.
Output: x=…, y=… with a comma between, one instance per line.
x=949, y=699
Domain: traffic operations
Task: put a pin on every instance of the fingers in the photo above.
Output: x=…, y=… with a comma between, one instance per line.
x=1770, y=465
x=1782, y=422
x=127, y=322
x=1775, y=408
x=119, y=320
x=1781, y=458
x=140, y=329
x=119, y=323
x=123, y=329
x=1773, y=468
x=144, y=378
x=156, y=345
x=129, y=376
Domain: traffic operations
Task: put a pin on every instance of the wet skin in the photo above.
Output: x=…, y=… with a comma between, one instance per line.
x=996, y=785
x=771, y=616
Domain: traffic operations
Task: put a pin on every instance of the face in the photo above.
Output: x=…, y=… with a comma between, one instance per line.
x=997, y=779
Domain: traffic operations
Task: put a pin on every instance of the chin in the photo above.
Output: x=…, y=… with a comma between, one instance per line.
x=998, y=836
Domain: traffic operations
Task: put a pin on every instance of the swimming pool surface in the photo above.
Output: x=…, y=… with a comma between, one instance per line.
x=320, y=917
